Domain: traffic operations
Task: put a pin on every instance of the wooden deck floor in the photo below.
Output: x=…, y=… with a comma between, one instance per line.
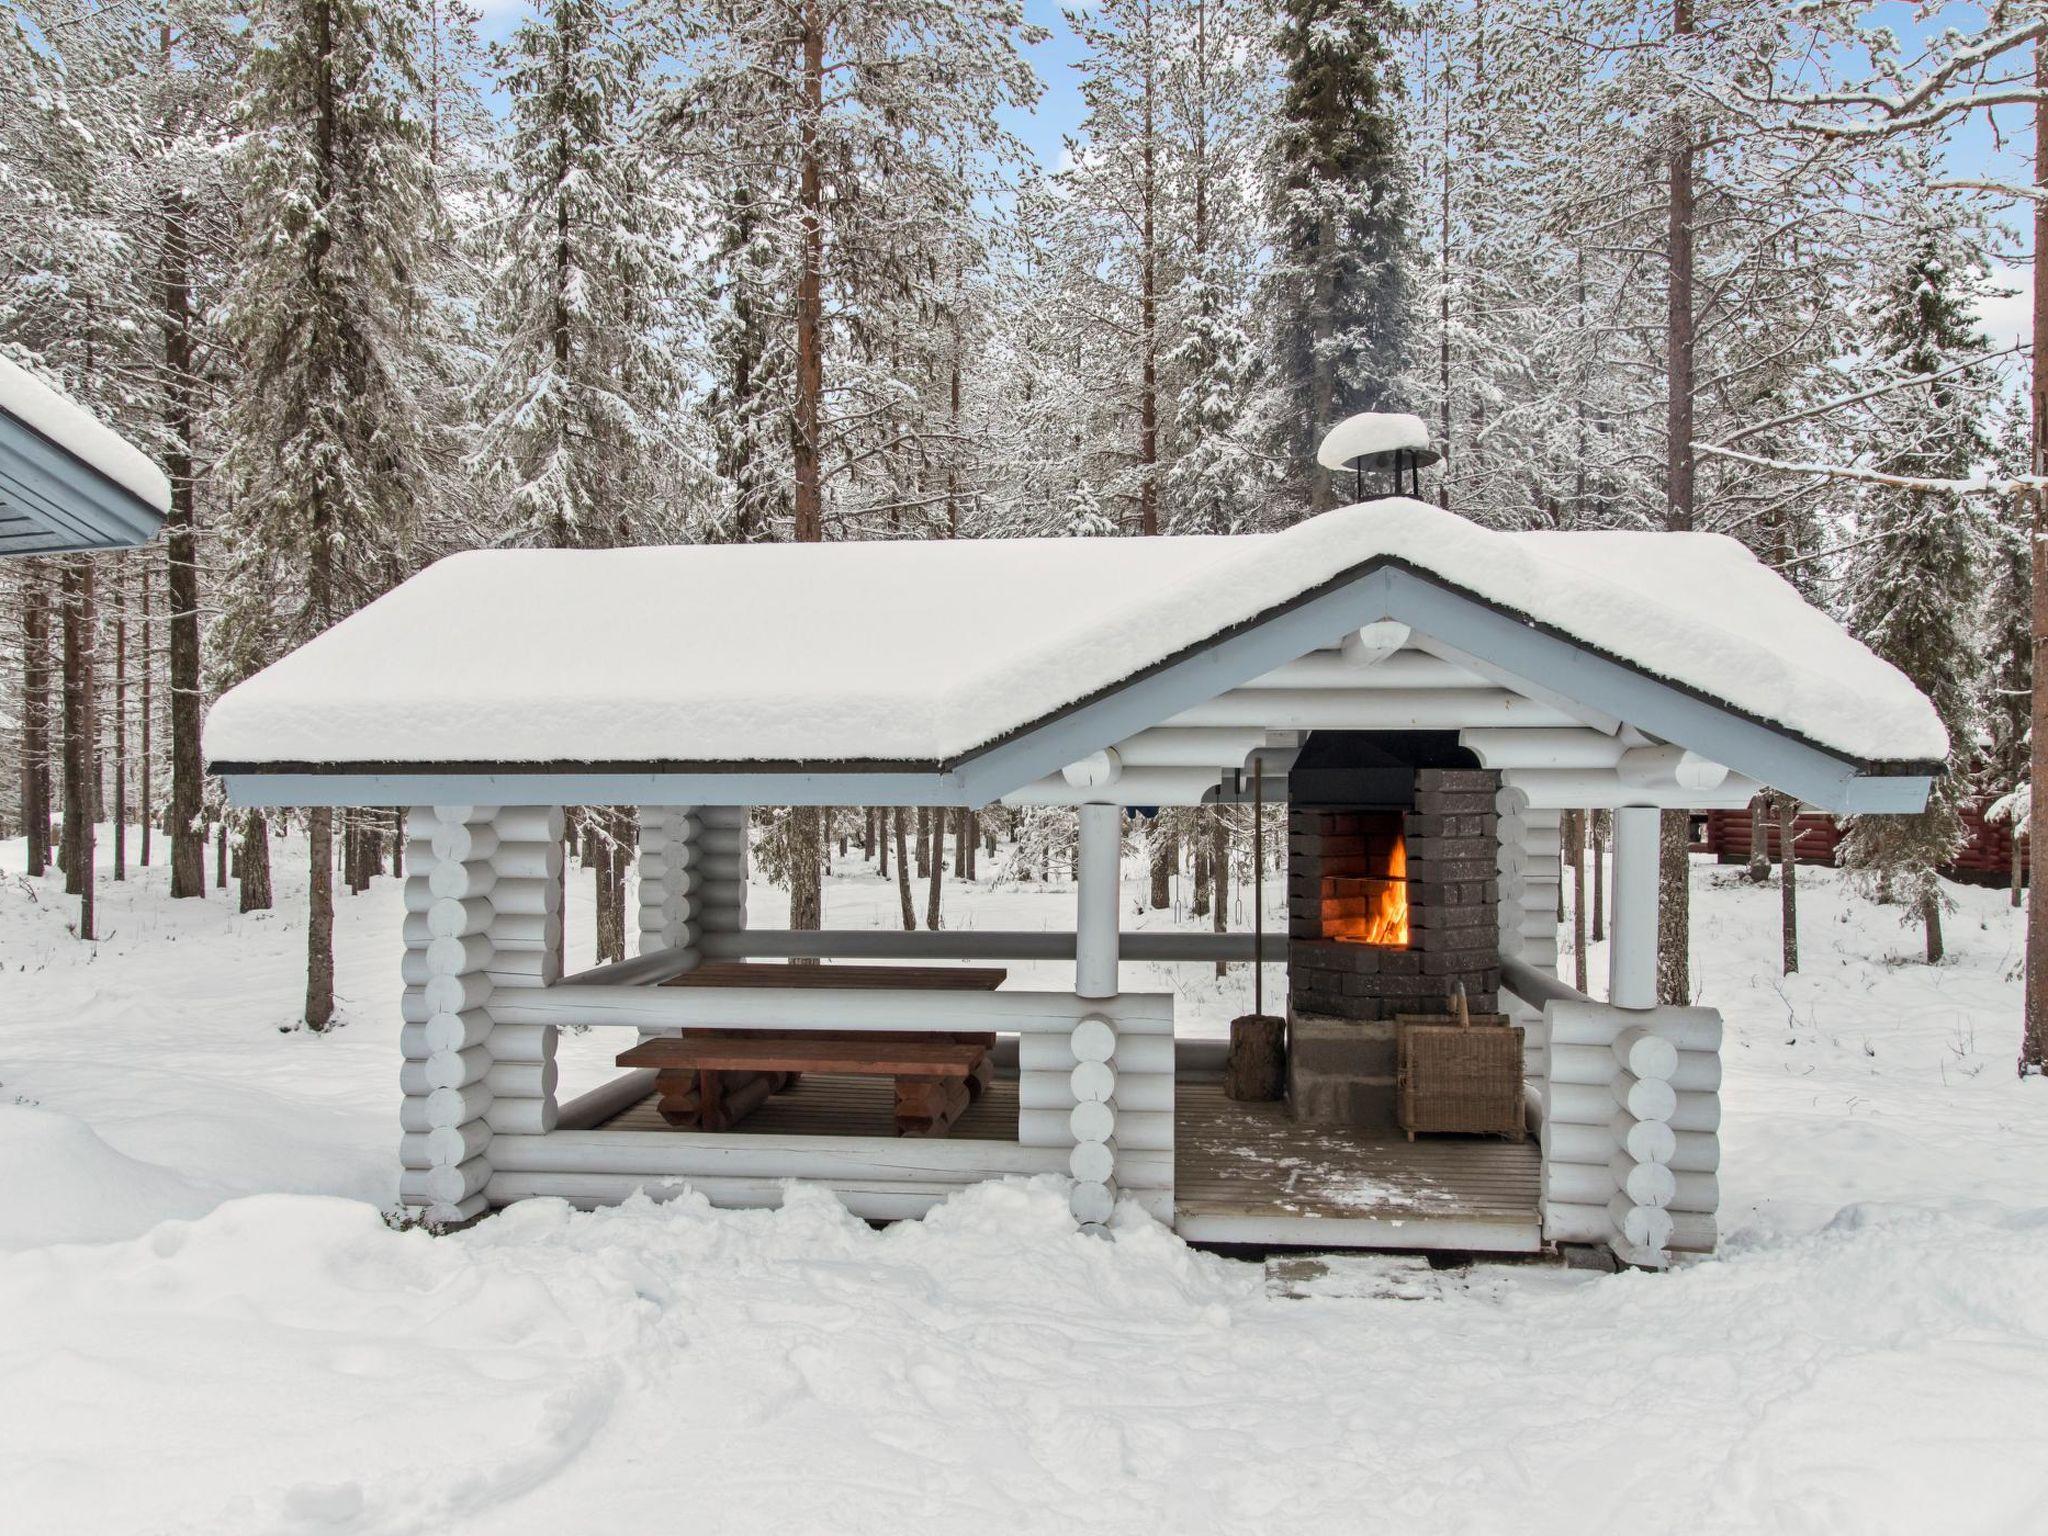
x=1243, y=1173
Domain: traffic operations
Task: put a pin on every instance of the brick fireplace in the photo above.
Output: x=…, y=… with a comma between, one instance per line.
x=1393, y=894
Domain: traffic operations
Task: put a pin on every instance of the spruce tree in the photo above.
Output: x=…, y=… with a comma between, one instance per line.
x=1338, y=302
x=327, y=430
x=1908, y=585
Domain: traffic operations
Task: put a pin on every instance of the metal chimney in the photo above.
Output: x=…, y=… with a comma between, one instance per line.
x=1383, y=444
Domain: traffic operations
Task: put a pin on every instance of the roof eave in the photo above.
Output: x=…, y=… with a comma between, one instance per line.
x=53, y=502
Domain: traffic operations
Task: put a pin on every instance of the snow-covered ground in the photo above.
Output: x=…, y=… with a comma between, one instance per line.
x=206, y=1326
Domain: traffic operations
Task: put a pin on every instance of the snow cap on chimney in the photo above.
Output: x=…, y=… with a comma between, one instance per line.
x=1375, y=441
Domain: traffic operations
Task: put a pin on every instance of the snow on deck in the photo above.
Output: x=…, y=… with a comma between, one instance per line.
x=81, y=434
x=921, y=652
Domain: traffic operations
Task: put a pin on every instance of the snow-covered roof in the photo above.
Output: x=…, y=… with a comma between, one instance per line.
x=922, y=652
x=1368, y=433
x=81, y=434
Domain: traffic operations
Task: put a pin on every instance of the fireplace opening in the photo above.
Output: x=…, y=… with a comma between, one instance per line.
x=1365, y=899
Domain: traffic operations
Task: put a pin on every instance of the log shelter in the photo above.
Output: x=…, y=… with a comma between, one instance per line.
x=1430, y=681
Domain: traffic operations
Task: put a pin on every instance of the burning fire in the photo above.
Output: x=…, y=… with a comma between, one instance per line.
x=1370, y=911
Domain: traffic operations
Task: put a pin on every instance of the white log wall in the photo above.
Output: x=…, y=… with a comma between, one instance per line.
x=671, y=885
x=1631, y=1116
x=483, y=922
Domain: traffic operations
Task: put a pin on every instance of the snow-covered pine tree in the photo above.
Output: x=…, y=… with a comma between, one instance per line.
x=587, y=389
x=1336, y=303
x=1910, y=576
x=340, y=214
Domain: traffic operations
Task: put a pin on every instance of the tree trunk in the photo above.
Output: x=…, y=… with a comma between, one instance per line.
x=1788, y=881
x=1198, y=904
x=806, y=891
x=1680, y=340
x=1219, y=878
x=882, y=840
x=1575, y=822
x=1600, y=824
x=121, y=726
x=181, y=555
x=924, y=842
x=903, y=874
x=1930, y=919
x=938, y=870
x=79, y=722
x=1164, y=856
x=255, y=860
x=2013, y=858
x=1148, y=303
x=1759, y=839
x=1674, y=896
x=35, y=714
x=2034, y=1039
x=220, y=854
x=810, y=305
x=320, y=918
x=600, y=861
x=148, y=807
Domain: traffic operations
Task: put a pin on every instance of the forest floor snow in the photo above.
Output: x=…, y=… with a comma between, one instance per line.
x=206, y=1325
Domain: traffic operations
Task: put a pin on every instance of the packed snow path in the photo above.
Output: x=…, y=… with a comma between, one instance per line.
x=205, y=1325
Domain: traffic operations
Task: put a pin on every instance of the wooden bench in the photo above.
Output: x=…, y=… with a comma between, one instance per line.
x=709, y=1079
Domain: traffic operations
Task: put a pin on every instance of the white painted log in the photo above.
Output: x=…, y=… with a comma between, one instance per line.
x=1562, y=789
x=413, y=1151
x=1646, y=1054
x=524, y=968
x=522, y=1116
x=1092, y=1203
x=1096, y=933
x=1098, y=770
x=1668, y=767
x=524, y=1042
x=1400, y=670
x=1692, y=1232
x=457, y=1069
x=1690, y=1029
x=456, y=957
x=1560, y=748
x=412, y=1005
x=460, y=881
x=527, y=861
x=1643, y=1140
x=713, y=839
x=463, y=842
x=459, y=919
x=1632, y=937
x=1092, y=1082
x=529, y=823
x=725, y=920
x=1697, y=1112
x=1643, y=1183
x=1135, y=1130
x=1092, y=1162
x=1639, y=1226
x=457, y=1031
x=456, y=994
x=1094, y=1038
x=449, y=1145
x=1578, y=1103
x=444, y=1184
x=413, y=1044
x=525, y=1080
x=1695, y=1193
x=1696, y=1152
x=1644, y=1097
x=1135, y=786
x=527, y=896
x=1371, y=644
x=1697, y=1072
x=457, y=812
x=527, y=930
x=1091, y=1121
x=441, y=1214
x=1590, y=1064
x=1196, y=747
x=1133, y=1053
x=1135, y=1091
x=665, y=1008
x=1575, y=1222
x=1586, y=1184
x=418, y=891
x=451, y=1106
x=1363, y=709
x=419, y=852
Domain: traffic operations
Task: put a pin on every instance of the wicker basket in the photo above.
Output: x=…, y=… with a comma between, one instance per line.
x=1460, y=1072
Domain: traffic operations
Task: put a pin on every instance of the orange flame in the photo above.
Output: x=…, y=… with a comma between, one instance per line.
x=1371, y=911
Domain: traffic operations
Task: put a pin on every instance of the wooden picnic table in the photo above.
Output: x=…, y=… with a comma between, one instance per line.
x=709, y=1079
